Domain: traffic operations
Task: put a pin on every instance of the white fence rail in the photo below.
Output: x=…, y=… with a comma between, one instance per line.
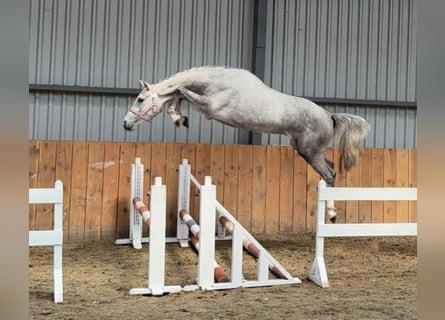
x=318, y=273
x=51, y=237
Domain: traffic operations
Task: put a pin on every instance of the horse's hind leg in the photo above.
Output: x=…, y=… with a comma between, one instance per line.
x=326, y=169
x=330, y=206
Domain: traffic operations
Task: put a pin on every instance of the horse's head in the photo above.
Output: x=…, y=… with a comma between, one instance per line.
x=145, y=107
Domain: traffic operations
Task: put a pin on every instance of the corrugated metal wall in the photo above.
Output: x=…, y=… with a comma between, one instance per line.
x=348, y=49
x=320, y=49
x=113, y=44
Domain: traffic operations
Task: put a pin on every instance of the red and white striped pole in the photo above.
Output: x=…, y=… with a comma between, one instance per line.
x=194, y=228
x=143, y=210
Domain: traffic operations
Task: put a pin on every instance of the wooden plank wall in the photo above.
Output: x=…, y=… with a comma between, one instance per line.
x=269, y=189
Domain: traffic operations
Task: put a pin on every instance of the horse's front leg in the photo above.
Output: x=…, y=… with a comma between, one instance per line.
x=326, y=169
x=175, y=113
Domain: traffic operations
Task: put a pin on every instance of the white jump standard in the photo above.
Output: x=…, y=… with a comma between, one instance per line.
x=208, y=208
x=318, y=273
x=136, y=223
x=156, y=263
x=206, y=279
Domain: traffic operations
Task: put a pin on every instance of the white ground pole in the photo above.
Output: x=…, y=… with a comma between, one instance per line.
x=53, y=237
x=156, y=249
x=318, y=273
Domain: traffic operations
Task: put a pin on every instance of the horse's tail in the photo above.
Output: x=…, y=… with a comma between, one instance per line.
x=352, y=130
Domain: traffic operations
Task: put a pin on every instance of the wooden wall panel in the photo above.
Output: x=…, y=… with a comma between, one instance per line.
x=170, y=179
x=76, y=230
x=389, y=180
x=286, y=188
x=217, y=169
x=412, y=206
x=230, y=196
x=110, y=190
x=269, y=189
x=245, y=182
x=64, y=156
x=377, y=181
x=44, y=215
x=402, y=181
x=365, y=180
x=93, y=210
x=352, y=179
x=127, y=154
x=33, y=162
x=272, y=189
x=300, y=190
x=259, y=161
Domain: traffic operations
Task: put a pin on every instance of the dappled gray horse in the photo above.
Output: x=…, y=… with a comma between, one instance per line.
x=238, y=98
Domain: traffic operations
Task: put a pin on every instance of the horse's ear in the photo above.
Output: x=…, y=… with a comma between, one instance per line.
x=144, y=84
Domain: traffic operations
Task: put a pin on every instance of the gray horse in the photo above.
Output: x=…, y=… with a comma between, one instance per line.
x=238, y=98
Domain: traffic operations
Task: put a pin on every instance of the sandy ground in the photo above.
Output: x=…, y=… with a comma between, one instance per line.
x=370, y=278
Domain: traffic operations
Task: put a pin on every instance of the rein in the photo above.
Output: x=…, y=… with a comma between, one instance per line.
x=152, y=106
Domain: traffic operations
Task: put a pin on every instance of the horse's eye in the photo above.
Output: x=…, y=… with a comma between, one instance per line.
x=140, y=99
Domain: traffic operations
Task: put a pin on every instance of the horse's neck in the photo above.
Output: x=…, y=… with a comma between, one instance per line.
x=198, y=75
x=172, y=83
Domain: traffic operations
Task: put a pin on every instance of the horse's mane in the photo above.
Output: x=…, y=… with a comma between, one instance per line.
x=194, y=69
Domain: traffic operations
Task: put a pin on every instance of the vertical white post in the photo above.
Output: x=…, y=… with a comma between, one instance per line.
x=207, y=211
x=137, y=186
x=182, y=231
x=262, y=267
x=57, y=259
x=158, y=196
x=318, y=272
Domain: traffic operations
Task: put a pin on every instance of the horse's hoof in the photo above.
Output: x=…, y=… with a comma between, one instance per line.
x=333, y=219
x=185, y=121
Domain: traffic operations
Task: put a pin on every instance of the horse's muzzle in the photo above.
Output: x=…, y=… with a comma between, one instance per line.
x=127, y=126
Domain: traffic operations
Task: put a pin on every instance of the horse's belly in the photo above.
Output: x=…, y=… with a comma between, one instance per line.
x=252, y=123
